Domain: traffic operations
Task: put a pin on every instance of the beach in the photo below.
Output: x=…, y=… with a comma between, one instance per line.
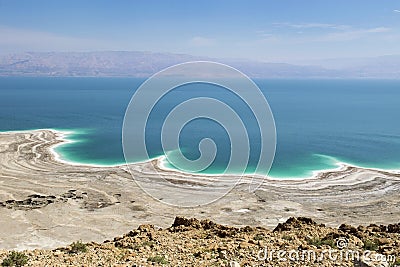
x=46, y=202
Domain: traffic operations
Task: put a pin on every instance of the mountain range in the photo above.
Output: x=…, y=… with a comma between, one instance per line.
x=145, y=64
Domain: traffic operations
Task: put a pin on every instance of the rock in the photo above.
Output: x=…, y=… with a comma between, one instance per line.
x=348, y=229
x=186, y=222
x=146, y=228
x=393, y=228
x=292, y=223
x=384, y=241
x=222, y=255
x=244, y=245
x=205, y=243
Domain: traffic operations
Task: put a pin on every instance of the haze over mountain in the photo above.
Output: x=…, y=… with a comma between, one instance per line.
x=145, y=64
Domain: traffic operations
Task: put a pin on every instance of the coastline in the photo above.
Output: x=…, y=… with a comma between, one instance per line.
x=63, y=135
x=46, y=202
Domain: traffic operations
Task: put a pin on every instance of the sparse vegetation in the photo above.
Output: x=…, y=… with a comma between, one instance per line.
x=148, y=244
x=144, y=244
x=16, y=259
x=287, y=237
x=314, y=242
x=158, y=259
x=258, y=237
x=329, y=242
x=318, y=242
x=78, y=247
x=371, y=245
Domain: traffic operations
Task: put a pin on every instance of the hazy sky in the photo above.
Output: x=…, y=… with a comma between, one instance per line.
x=278, y=30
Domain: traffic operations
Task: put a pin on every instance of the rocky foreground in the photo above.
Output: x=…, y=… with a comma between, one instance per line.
x=191, y=242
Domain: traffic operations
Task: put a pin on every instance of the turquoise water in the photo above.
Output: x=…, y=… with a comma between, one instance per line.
x=319, y=122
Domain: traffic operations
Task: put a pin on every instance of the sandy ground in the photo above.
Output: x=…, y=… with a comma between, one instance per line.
x=46, y=203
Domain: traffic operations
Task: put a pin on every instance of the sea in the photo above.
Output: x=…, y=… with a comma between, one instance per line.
x=320, y=123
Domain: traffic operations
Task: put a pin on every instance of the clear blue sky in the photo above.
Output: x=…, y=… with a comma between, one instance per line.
x=278, y=30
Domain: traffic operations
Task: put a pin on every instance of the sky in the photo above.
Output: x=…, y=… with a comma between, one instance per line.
x=268, y=30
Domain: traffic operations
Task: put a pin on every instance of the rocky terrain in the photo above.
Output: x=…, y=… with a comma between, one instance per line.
x=191, y=242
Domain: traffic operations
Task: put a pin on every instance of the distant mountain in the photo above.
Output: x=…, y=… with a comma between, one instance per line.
x=138, y=64
x=386, y=67
x=379, y=67
x=144, y=64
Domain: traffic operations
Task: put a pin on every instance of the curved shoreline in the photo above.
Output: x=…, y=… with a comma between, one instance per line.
x=46, y=203
x=63, y=137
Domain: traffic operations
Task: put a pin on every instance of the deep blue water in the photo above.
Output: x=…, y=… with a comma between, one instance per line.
x=354, y=121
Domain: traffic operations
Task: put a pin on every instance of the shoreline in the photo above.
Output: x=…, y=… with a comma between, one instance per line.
x=46, y=203
x=315, y=174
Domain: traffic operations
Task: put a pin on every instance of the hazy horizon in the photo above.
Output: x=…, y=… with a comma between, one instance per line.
x=294, y=62
x=268, y=31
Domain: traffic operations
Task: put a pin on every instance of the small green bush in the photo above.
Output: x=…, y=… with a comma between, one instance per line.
x=287, y=237
x=329, y=242
x=15, y=258
x=78, y=247
x=158, y=259
x=258, y=237
x=318, y=242
x=371, y=244
x=396, y=263
x=314, y=242
x=148, y=244
x=144, y=244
